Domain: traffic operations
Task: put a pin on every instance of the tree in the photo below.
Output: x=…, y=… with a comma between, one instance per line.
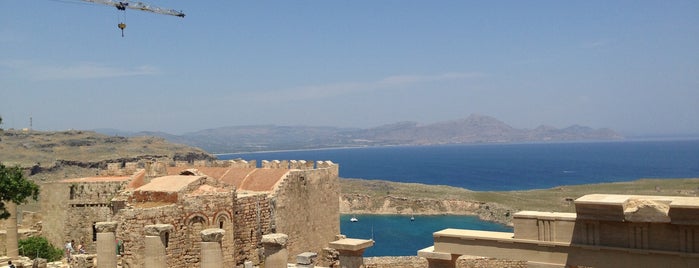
x=15, y=188
x=38, y=246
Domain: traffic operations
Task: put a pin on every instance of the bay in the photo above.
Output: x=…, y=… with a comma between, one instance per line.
x=504, y=167
x=488, y=167
x=397, y=235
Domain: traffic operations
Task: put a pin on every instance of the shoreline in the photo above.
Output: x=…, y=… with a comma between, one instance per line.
x=370, y=197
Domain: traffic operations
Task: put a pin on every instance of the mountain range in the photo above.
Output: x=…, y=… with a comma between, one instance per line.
x=472, y=129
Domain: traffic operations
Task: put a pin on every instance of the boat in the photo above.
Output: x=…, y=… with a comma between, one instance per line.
x=354, y=219
x=412, y=218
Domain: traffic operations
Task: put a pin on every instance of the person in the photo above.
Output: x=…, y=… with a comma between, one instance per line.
x=10, y=265
x=69, y=250
x=81, y=249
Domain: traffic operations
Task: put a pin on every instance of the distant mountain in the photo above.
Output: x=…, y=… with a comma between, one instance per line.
x=472, y=129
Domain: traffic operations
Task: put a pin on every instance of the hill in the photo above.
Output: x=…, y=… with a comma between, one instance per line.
x=81, y=151
x=472, y=129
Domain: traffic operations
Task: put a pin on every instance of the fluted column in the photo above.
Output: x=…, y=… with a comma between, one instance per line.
x=106, y=244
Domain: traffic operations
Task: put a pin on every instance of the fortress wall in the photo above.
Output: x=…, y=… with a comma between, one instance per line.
x=239, y=163
x=307, y=209
x=189, y=217
x=54, y=206
x=93, y=192
x=252, y=219
x=71, y=209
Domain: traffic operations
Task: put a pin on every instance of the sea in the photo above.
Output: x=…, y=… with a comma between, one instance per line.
x=488, y=167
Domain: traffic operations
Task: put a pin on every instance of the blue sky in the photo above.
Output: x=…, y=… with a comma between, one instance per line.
x=629, y=65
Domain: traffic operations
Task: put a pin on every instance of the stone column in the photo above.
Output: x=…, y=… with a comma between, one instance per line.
x=11, y=237
x=276, y=255
x=351, y=251
x=211, y=253
x=157, y=237
x=106, y=244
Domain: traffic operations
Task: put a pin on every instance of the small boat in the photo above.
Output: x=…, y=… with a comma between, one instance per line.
x=412, y=218
x=354, y=219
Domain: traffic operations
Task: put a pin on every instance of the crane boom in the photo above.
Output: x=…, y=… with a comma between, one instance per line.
x=124, y=4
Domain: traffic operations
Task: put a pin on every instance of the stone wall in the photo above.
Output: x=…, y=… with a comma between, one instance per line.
x=252, y=220
x=484, y=262
x=306, y=208
x=194, y=214
x=72, y=208
x=54, y=206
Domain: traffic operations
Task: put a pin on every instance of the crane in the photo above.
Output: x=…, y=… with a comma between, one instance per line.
x=124, y=4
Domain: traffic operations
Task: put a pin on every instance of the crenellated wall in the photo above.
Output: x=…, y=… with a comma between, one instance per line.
x=307, y=208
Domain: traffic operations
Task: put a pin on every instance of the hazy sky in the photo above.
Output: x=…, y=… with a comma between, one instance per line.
x=629, y=65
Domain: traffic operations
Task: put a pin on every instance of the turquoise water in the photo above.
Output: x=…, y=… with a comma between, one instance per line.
x=397, y=235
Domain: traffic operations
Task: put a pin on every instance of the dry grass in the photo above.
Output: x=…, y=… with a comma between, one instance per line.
x=27, y=148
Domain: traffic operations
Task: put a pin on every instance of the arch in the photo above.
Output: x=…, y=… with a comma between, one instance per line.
x=197, y=217
x=222, y=218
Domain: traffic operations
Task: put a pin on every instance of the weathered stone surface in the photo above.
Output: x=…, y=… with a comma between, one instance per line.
x=84, y=260
x=158, y=229
x=644, y=210
x=306, y=258
x=106, y=226
x=212, y=235
x=276, y=239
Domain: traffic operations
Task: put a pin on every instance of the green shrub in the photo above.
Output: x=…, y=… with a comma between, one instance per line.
x=38, y=246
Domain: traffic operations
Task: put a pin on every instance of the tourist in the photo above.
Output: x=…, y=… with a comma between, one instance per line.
x=81, y=249
x=69, y=250
x=10, y=265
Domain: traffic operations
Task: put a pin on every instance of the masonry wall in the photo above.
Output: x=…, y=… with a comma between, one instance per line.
x=252, y=220
x=54, y=206
x=189, y=217
x=306, y=208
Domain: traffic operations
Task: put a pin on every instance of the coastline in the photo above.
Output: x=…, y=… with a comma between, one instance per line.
x=373, y=197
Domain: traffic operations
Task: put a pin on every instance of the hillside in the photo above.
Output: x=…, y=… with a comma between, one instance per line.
x=384, y=197
x=472, y=129
x=78, y=152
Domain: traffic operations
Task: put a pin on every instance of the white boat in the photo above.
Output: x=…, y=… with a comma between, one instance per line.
x=412, y=218
x=354, y=219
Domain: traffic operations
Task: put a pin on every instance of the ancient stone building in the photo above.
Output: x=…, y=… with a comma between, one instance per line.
x=605, y=231
x=297, y=198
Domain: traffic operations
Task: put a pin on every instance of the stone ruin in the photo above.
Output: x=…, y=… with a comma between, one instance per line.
x=297, y=198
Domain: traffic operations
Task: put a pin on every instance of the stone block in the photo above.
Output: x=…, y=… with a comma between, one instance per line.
x=306, y=258
x=106, y=227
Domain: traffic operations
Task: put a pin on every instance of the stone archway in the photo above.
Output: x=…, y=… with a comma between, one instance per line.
x=195, y=224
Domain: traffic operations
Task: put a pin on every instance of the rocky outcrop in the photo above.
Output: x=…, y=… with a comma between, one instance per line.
x=365, y=204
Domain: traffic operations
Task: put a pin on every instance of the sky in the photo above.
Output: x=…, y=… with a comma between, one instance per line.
x=632, y=66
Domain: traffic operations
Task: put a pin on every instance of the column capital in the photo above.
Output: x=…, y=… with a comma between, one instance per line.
x=212, y=235
x=158, y=229
x=106, y=226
